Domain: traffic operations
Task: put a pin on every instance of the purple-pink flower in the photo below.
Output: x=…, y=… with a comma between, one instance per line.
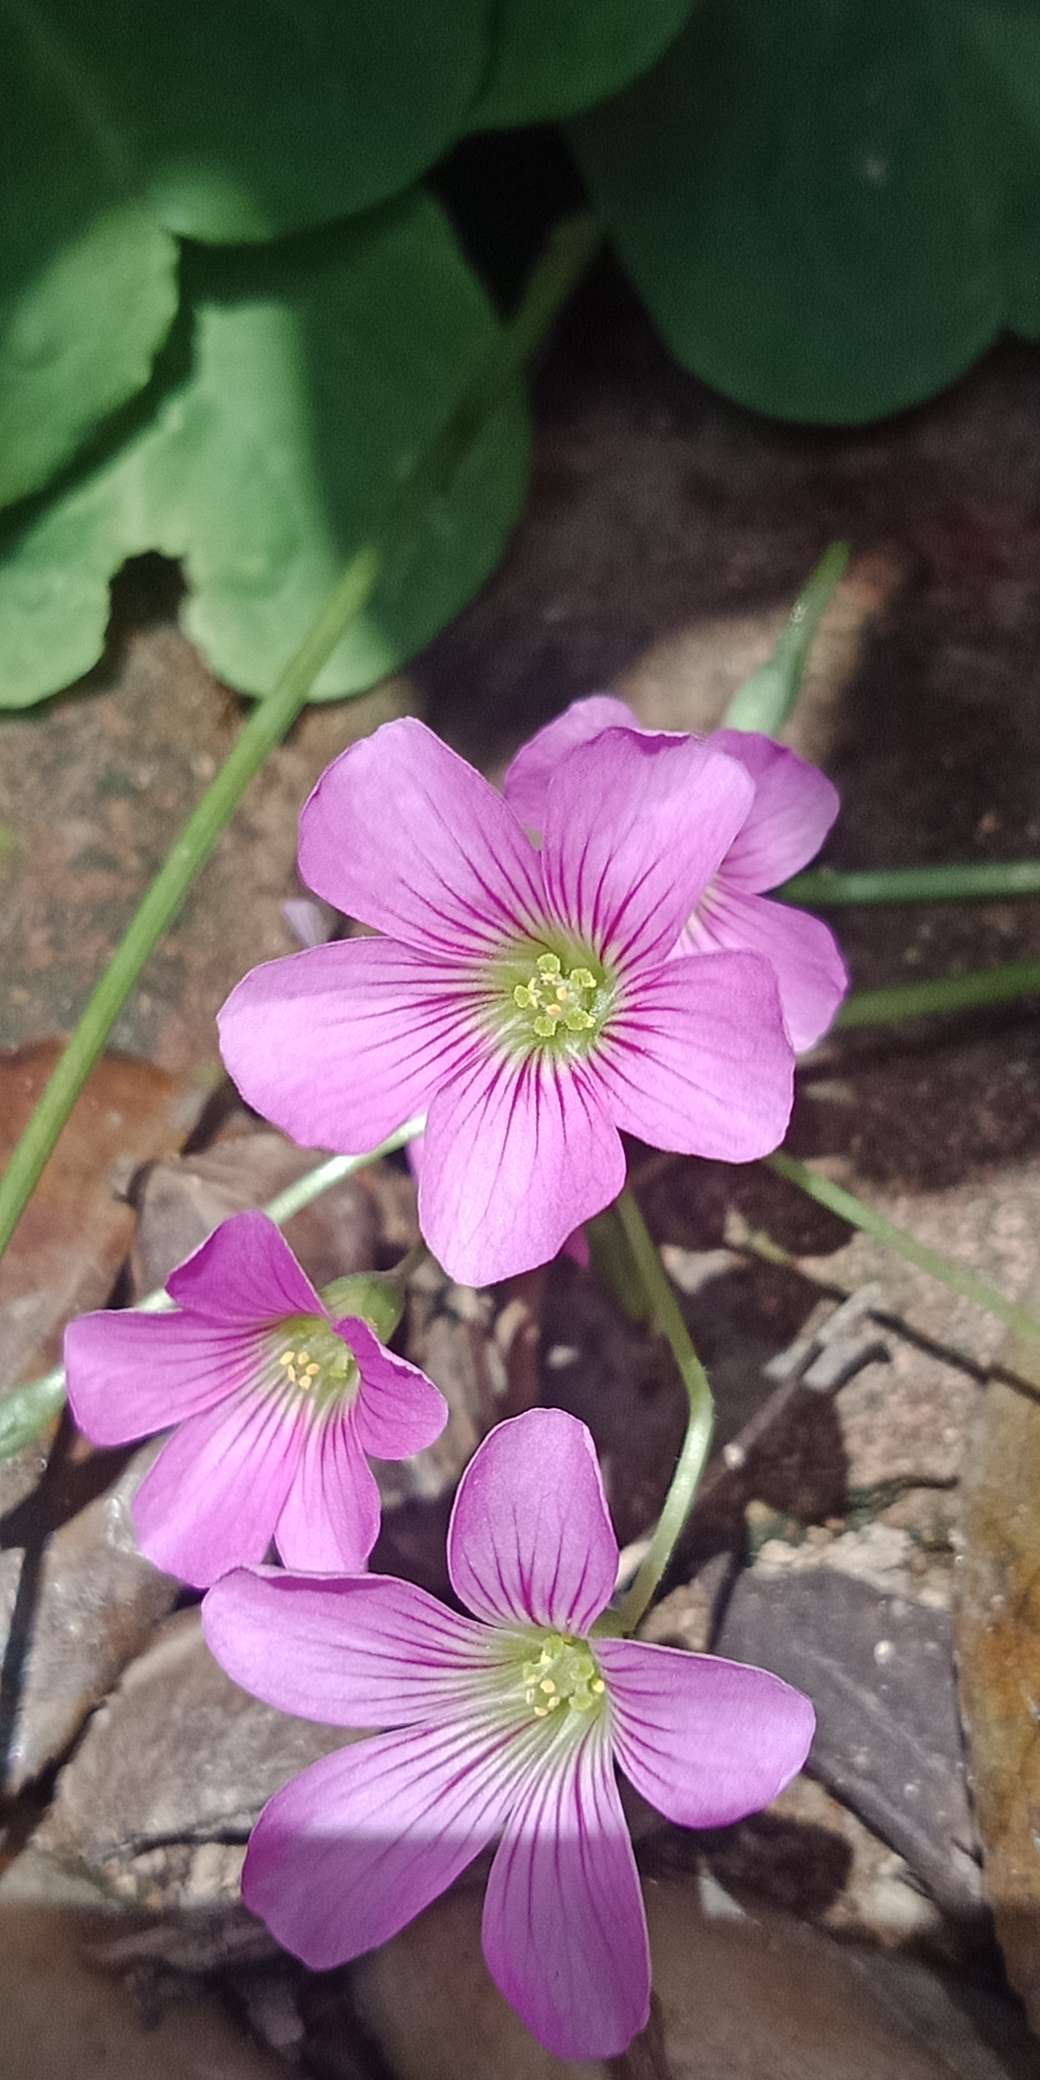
x=792, y=811
x=526, y=1000
x=277, y=1405
x=507, y=1724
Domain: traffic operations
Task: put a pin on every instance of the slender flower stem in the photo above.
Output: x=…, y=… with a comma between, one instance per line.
x=959, y=1277
x=566, y=259
x=982, y=988
x=666, y=1316
x=981, y=881
x=27, y=1411
x=406, y=1267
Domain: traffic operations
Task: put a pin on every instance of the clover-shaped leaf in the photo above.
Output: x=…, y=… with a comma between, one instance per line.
x=88, y=278
x=244, y=119
x=830, y=210
x=300, y=384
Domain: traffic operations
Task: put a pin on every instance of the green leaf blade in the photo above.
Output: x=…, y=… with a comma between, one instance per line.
x=88, y=277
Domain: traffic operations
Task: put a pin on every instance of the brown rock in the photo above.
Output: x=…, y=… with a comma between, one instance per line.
x=67, y=2018
x=736, y=1999
x=998, y=1641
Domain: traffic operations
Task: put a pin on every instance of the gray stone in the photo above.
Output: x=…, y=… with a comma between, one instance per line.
x=879, y=1670
x=75, y=1607
x=159, y=1798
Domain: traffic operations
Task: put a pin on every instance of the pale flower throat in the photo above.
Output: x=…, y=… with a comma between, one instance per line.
x=564, y=1677
x=310, y=1359
x=548, y=999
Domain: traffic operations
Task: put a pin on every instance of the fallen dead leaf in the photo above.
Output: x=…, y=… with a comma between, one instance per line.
x=77, y=1226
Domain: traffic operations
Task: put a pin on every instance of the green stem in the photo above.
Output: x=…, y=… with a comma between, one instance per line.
x=765, y=701
x=565, y=260
x=406, y=1267
x=613, y=1266
x=982, y=988
x=666, y=1316
x=831, y=888
x=958, y=1277
x=27, y=1411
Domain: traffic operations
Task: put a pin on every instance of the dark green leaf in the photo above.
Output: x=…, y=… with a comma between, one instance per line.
x=249, y=118
x=319, y=370
x=830, y=210
x=553, y=57
x=88, y=283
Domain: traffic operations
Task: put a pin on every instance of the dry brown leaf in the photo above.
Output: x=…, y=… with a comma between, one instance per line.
x=76, y=1229
x=998, y=1640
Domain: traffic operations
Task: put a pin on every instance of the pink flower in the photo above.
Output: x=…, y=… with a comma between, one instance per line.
x=509, y=1724
x=526, y=1000
x=794, y=807
x=276, y=1404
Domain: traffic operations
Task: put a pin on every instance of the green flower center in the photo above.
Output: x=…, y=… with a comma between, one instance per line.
x=563, y=1677
x=309, y=1357
x=541, y=997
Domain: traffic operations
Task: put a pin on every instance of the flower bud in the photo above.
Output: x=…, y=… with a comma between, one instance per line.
x=374, y=1295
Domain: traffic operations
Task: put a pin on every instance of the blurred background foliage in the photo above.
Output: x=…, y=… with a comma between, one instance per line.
x=251, y=256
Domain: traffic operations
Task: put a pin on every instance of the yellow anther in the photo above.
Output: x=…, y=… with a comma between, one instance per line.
x=597, y=1686
x=547, y=1685
x=313, y=1370
x=582, y=978
x=578, y=1021
x=525, y=996
x=549, y=965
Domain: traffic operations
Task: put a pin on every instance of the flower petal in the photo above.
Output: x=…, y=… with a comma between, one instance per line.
x=794, y=807
x=518, y=1152
x=699, y=1060
x=216, y=1491
x=403, y=834
x=635, y=827
x=244, y=1275
x=705, y=1740
x=398, y=1411
x=340, y=1045
x=800, y=950
x=526, y=783
x=329, y=1520
x=576, y=1246
x=363, y=1840
x=577, y=1249
x=530, y=1540
x=364, y=1651
x=130, y=1374
x=564, y=1927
